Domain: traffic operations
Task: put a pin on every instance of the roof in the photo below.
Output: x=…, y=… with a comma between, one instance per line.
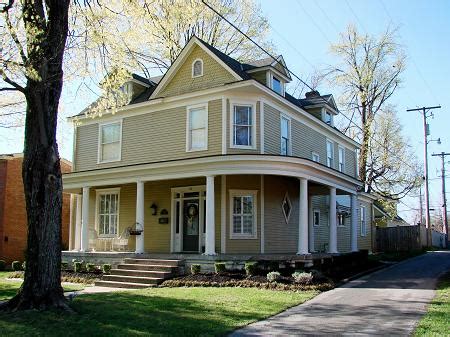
x=10, y=156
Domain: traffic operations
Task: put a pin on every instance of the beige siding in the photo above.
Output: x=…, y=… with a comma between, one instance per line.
x=257, y=124
x=321, y=232
x=271, y=130
x=182, y=82
x=305, y=141
x=279, y=236
x=260, y=76
x=343, y=236
x=151, y=137
x=350, y=162
x=365, y=242
x=316, y=112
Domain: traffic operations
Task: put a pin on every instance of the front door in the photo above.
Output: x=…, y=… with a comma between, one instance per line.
x=191, y=225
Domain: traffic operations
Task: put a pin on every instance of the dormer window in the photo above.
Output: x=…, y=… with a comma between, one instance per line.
x=197, y=68
x=276, y=85
x=328, y=118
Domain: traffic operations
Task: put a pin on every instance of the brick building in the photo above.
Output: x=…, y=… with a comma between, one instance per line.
x=13, y=219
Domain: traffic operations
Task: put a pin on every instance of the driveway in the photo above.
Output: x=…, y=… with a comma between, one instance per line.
x=386, y=303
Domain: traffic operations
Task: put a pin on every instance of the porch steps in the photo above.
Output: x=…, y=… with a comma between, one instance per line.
x=141, y=273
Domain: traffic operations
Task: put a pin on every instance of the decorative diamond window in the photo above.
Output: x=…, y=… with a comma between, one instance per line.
x=286, y=206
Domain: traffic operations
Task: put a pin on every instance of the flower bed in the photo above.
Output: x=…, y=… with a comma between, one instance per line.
x=69, y=276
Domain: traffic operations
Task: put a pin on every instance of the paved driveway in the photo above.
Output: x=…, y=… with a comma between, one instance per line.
x=386, y=303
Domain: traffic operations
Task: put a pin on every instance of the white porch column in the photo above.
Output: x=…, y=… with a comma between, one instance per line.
x=312, y=248
x=71, y=222
x=332, y=245
x=85, y=221
x=303, y=218
x=210, y=241
x=140, y=217
x=78, y=200
x=354, y=223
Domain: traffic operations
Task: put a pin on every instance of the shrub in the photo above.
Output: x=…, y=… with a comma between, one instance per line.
x=16, y=266
x=106, y=268
x=250, y=268
x=24, y=265
x=2, y=265
x=64, y=265
x=90, y=267
x=220, y=267
x=78, y=266
x=274, y=265
x=302, y=278
x=273, y=276
x=195, y=269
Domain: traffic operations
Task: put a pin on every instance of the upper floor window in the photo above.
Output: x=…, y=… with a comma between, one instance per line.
x=243, y=126
x=330, y=153
x=328, y=118
x=108, y=212
x=243, y=214
x=362, y=214
x=277, y=85
x=285, y=136
x=197, y=68
x=197, y=128
x=110, y=142
x=341, y=166
x=315, y=157
x=357, y=152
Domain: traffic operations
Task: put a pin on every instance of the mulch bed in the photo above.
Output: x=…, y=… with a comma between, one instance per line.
x=70, y=276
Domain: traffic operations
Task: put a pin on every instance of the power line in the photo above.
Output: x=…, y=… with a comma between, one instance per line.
x=313, y=21
x=356, y=16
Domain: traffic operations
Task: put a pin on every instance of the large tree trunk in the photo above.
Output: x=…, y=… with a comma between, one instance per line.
x=41, y=172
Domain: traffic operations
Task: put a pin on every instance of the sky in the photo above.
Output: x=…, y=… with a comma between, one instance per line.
x=302, y=31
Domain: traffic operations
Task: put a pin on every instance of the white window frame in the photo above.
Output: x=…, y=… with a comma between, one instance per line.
x=251, y=104
x=357, y=152
x=328, y=141
x=283, y=85
x=244, y=193
x=289, y=143
x=188, y=133
x=325, y=112
x=288, y=200
x=315, y=154
x=341, y=160
x=316, y=211
x=193, y=63
x=343, y=219
x=363, y=221
x=100, y=143
x=98, y=193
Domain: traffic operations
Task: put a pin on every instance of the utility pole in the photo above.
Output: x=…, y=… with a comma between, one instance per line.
x=425, y=111
x=444, y=198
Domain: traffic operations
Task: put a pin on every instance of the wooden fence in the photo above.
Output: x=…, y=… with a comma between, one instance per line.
x=400, y=238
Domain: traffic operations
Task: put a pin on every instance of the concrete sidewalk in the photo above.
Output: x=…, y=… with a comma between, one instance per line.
x=389, y=302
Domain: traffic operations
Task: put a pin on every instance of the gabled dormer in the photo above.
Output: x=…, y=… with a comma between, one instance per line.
x=135, y=86
x=322, y=107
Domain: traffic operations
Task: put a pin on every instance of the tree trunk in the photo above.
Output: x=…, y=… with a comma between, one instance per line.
x=41, y=170
x=365, y=144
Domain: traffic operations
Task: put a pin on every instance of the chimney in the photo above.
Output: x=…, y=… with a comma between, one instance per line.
x=312, y=94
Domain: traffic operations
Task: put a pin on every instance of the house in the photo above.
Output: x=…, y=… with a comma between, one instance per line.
x=13, y=217
x=382, y=218
x=216, y=159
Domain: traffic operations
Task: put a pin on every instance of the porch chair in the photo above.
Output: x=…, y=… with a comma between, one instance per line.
x=122, y=241
x=93, y=236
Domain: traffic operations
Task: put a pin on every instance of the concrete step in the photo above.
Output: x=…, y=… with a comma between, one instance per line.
x=125, y=285
x=132, y=279
x=148, y=267
x=174, y=263
x=142, y=273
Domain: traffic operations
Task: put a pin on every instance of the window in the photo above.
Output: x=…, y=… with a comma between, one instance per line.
x=197, y=128
x=197, y=68
x=330, y=154
x=316, y=157
x=328, y=118
x=286, y=207
x=110, y=142
x=243, y=126
x=363, y=221
x=285, y=136
x=341, y=219
x=277, y=86
x=243, y=214
x=107, y=212
x=357, y=151
x=341, y=159
x=316, y=217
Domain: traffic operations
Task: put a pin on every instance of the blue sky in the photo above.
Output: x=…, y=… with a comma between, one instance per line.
x=302, y=31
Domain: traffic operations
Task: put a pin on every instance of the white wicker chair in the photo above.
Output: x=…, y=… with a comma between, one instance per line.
x=121, y=242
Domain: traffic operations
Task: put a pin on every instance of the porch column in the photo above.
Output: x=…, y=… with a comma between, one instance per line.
x=332, y=245
x=140, y=217
x=210, y=241
x=312, y=249
x=78, y=200
x=71, y=224
x=303, y=218
x=85, y=221
x=354, y=223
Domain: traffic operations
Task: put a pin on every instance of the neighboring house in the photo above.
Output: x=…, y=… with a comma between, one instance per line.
x=383, y=219
x=13, y=215
x=215, y=157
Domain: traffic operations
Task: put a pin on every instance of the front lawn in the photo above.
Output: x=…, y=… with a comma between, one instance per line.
x=156, y=312
x=437, y=319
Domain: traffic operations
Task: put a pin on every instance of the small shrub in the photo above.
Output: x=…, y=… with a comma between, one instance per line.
x=24, y=265
x=195, y=269
x=78, y=266
x=106, y=268
x=273, y=276
x=2, y=265
x=220, y=267
x=274, y=265
x=250, y=268
x=16, y=266
x=302, y=278
x=64, y=265
x=90, y=267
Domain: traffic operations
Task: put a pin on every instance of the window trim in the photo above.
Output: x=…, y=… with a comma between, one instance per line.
x=288, y=200
x=315, y=154
x=328, y=141
x=98, y=193
x=188, y=134
x=192, y=68
x=251, y=104
x=99, y=144
x=282, y=83
x=243, y=193
x=362, y=219
x=340, y=147
x=289, y=145
x=316, y=210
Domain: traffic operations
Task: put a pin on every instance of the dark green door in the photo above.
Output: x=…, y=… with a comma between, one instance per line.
x=190, y=225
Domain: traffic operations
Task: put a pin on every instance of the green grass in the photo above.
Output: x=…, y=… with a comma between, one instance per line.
x=437, y=320
x=156, y=312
